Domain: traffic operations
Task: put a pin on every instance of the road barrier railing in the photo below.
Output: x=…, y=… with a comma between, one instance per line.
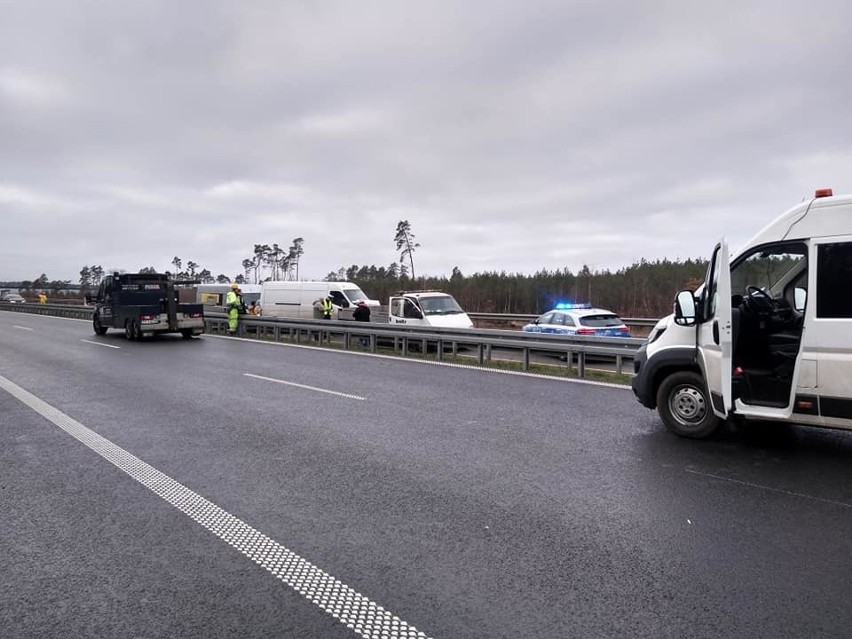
x=404, y=339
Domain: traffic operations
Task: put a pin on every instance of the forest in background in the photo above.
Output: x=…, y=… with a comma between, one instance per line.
x=645, y=289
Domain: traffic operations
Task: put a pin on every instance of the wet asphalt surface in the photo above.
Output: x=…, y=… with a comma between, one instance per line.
x=465, y=503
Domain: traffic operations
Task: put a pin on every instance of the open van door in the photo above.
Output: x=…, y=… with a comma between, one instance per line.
x=715, y=330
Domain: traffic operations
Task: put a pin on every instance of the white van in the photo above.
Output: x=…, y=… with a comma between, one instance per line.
x=768, y=336
x=296, y=299
x=427, y=308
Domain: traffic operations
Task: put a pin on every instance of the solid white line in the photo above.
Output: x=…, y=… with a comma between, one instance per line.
x=23, y=328
x=99, y=344
x=356, y=611
x=313, y=388
x=769, y=488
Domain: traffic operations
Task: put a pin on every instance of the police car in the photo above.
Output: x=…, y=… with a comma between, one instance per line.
x=579, y=319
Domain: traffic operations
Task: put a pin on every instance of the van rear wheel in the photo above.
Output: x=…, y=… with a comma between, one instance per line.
x=684, y=406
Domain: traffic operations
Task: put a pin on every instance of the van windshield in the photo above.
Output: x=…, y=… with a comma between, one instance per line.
x=443, y=305
x=355, y=294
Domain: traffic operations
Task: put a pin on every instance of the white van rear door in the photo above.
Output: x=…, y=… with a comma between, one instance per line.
x=715, y=332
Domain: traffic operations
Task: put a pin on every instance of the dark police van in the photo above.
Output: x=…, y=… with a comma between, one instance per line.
x=144, y=304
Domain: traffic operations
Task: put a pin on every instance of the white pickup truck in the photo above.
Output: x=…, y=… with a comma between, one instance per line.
x=427, y=308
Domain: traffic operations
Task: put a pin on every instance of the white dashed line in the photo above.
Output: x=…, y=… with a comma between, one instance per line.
x=352, y=609
x=313, y=388
x=769, y=488
x=99, y=343
x=429, y=362
x=23, y=328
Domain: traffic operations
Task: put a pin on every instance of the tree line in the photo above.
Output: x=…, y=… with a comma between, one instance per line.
x=644, y=289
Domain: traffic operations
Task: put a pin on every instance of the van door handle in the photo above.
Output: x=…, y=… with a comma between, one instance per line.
x=716, y=331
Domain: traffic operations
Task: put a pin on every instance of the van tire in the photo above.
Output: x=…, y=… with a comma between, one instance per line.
x=684, y=406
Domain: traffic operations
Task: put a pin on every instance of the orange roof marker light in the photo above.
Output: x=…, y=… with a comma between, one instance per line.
x=823, y=193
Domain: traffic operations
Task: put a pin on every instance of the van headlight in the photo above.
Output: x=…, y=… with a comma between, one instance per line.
x=655, y=333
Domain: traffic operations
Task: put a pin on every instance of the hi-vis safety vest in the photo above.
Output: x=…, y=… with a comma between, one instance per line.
x=232, y=301
x=327, y=307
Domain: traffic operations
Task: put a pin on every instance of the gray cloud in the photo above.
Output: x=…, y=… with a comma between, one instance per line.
x=513, y=136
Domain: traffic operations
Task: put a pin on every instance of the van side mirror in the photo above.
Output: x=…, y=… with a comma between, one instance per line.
x=800, y=296
x=684, y=309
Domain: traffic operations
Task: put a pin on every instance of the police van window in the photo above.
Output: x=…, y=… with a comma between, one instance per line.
x=569, y=321
x=834, y=280
x=708, y=300
x=772, y=269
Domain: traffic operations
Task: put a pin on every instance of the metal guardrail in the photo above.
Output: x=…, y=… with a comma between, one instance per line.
x=403, y=338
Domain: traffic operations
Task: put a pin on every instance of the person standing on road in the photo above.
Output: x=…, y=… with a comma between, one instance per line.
x=362, y=314
x=232, y=305
x=327, y=308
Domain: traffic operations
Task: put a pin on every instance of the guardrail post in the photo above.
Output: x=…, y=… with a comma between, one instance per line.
x=526, y=359
x=480, y=352
x=581, y=364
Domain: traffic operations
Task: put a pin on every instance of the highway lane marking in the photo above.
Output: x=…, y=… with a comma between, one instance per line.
x=23, y=328
x=357, y=612
x=313, y=388
x=770, y=488
x=88, y=341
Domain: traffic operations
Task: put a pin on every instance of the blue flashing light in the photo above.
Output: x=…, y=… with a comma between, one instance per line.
x=562, y=306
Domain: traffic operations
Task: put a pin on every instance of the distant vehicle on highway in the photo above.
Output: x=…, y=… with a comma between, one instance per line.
x=13, y=298
x=579, y=319
x=144, y=304
x=427, y=308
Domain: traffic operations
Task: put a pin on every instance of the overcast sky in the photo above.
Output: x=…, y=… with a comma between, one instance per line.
x=513, y=135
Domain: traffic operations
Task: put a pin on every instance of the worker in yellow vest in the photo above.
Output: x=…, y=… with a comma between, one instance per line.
x=327, y=308
x=42, y=298
x=232, y=305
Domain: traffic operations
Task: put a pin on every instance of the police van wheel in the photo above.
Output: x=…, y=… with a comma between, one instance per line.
x=186, y=333
x=128, y=330
x=684, y=406
x=99, y=328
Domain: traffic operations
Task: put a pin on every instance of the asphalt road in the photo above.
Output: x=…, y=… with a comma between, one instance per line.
x=226, y=488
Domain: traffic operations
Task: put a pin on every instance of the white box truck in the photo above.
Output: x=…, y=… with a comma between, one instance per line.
x=427, y=308
x=768, y=336
x=296, y=299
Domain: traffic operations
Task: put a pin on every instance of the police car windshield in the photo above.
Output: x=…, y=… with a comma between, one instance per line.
x=443, y=305
x=601, y=320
